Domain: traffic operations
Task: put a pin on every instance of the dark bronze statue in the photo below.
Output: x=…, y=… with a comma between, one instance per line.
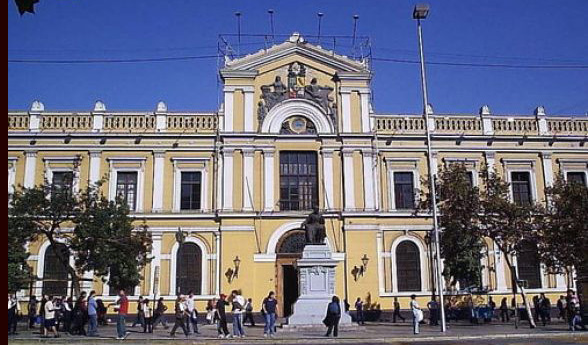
x=314, y=227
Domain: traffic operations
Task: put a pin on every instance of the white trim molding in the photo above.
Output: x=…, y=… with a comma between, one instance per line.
x=174, y=263
x=272, y=122
x=113, y=174
x=423, y=263
x=521, y=165
x=74, y=169
x=203, y=169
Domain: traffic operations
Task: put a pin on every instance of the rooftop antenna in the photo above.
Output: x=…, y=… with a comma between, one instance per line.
x=271, y=18
x=238, y=15
x=355, y=18
x=320, y=19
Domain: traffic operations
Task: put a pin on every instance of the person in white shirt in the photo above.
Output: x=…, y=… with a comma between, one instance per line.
x=13, y=311
x=50, y=317
x=192, y=323
x=417, y=313
x=238, y=302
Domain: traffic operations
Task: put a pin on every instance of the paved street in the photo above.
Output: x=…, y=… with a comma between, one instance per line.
x=373, y=333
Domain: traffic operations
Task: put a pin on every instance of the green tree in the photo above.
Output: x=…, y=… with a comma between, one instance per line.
x=459, y=207
x=564, y=227
x=508, y=224
x=102, y=234
x=18, y=271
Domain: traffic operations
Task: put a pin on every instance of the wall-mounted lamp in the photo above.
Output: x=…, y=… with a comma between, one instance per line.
x=359, y=271
x=102, y=141
x=233, y=272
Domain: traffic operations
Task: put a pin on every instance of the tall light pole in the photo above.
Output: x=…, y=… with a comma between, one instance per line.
x=421, y=11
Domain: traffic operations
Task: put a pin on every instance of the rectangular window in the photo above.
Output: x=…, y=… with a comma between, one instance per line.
x=577, y=177
x=521, y=188
x=298, y=181
x=470, y=176
x=126, y=188
x=403, y=190
x=191, y=187
x=62, y=183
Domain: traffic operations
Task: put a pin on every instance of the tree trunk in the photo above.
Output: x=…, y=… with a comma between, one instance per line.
x=71, y=271
x=522, y=291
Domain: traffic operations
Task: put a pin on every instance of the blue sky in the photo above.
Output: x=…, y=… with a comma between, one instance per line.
x=540, y=32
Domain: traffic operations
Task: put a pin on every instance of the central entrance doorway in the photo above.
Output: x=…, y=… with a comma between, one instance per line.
x=289, y=250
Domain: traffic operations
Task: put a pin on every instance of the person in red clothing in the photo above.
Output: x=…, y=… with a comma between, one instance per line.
x=122, y=307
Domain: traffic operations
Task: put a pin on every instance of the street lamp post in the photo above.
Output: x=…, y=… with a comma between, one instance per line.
x=421, y=11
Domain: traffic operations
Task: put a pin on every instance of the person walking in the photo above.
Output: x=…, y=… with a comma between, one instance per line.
x=249, y=312
x=122, y=308
x=210, y=311
x=50, y=318
x=158, y=315
x=237, y=303
x=544, y=309
x=333, y=317
x=13, y=311
x=140, y=319
x=396, y=313
x=42, y=314
x=269, y=307
x=180, y=313
x=148, y=314
x=561, y=307
x=492, y=307
x=32, y=311
x=101, y=312
x=433, y=311
x=66, y=312
x=92, y=315
x=223, y=331
x=192, y=323
x=417, y=313
x=359, y=311
x=80, y=315
x=504, y=317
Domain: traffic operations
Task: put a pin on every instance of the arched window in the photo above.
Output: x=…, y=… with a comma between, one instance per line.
x=55, y=277
x=292, y=243
x=528, y=265
x=408, y=267
x=189, y=269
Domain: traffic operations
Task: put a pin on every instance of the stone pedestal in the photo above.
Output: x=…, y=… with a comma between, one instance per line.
x=316, y=282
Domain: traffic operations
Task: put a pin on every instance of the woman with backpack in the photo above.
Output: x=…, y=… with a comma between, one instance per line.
x=333, y=317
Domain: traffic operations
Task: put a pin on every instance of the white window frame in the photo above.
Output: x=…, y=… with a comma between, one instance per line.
x=571, y=166
x=113, y=178
x=471, y=165
x=423, y=263
x=49, y=170
x=204, y=288
x=178, y=181
x=399, y=165
x=509, y=169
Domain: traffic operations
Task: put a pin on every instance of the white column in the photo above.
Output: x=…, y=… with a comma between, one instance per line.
x=158, y=180
x=218, y=263
x=248, y=189
x=368, y=181
x=499, y=269
x=30, y=168
x=268, y=179
x=156, y=261
x=365, y=110
x=328, y=178
x=490, y=160
x=380, y=250
x=34, y=122
x=560, y=281
x=228, y=107
x=348, y=179
x=94, y=174
x=547, y=168
x=434, y=162
x=219, y=182
x=248, y=111
x=376, y=177
x=346, y=110
x=228, y=179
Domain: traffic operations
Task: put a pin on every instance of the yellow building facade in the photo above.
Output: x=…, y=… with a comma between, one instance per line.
x=239, y=182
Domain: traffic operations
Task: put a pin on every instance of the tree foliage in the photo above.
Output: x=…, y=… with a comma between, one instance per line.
x=564, y=228
x=98, y=233
x=460, y=242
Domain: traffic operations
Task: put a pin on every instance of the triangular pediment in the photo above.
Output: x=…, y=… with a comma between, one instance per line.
x=295, y=46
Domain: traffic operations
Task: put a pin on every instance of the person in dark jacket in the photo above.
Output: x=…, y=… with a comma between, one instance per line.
x=223, y=331
x=32, y=311
x=333, y=317
x=101, y=312
x=158, y=315
x=181, y=313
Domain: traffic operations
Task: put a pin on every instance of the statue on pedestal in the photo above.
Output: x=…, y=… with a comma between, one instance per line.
x=314, y=227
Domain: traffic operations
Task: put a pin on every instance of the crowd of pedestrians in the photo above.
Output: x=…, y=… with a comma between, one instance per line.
x=84, y=314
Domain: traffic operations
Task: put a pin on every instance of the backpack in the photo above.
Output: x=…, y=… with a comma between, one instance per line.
x=334, y=308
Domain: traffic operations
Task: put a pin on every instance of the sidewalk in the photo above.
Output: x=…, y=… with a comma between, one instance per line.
x=379, y=332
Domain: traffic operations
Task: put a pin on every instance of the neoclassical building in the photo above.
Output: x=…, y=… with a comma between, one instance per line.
x=296, y=129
